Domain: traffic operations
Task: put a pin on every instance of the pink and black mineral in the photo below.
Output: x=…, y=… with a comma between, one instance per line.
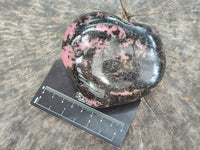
x=111, y=61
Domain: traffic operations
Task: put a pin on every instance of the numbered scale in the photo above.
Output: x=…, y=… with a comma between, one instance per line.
x=59, y=97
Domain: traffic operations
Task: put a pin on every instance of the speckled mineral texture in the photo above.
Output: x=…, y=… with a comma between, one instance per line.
x=31, y=34
x=112, y=61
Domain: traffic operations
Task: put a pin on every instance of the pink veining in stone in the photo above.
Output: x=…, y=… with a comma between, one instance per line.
x=153, y=31
x=126, y=43
x=137, y=91
x=122, y=33
x=70, y=31
x=94, y=43
x=124, y=93
x=140, y=45
x=85, y=63
x=102, y=50
x=123, y=56
x=99, y=14
x=110, y=30
x=67, y=53
x=92, y=102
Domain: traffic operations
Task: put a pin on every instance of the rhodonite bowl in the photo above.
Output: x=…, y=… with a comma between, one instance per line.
x=112, y=61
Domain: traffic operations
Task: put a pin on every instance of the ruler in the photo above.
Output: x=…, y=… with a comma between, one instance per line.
x=58, y=96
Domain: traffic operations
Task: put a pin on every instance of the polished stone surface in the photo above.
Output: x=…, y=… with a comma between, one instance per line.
x=112, y=61
x=30, y=41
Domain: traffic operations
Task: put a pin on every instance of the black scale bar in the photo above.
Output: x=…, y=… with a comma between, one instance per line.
x=57, y=96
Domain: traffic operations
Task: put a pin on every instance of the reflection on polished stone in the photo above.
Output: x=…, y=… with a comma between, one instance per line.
x=112, y=62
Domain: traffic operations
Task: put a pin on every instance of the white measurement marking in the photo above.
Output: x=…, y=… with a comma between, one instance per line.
x=86, y=127
x=53, y=96
x=113, y=136
x=101, y=120
x=63, y=111
x=111, y=124
x=40, y=97
x=87, y=123
x=82, y=110
x=36, y=100
x=122, y=129
x=62, y=101
x=99, y=131
x=43, y=89
x=72, y=105
x=74, y=119
x=91, y=115
x=98, y=113
x=49, y=107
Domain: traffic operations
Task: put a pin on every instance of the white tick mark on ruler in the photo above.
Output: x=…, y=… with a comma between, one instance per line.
x=72, y=105
x=74, y=119
x=113, y=135
x=82, y=110
x=87, y=123
x=43, y=90
x=111, y=124
x=63, y=111
x=62, y=101
x=53, y=96
x=121, y=129
x=49, y=107
x=36, y=100
x=91, y=114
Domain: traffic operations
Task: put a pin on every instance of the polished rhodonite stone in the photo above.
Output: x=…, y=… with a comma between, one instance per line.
x=111, y=61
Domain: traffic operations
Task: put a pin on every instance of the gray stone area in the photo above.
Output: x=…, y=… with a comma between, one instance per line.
x=30, y=41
